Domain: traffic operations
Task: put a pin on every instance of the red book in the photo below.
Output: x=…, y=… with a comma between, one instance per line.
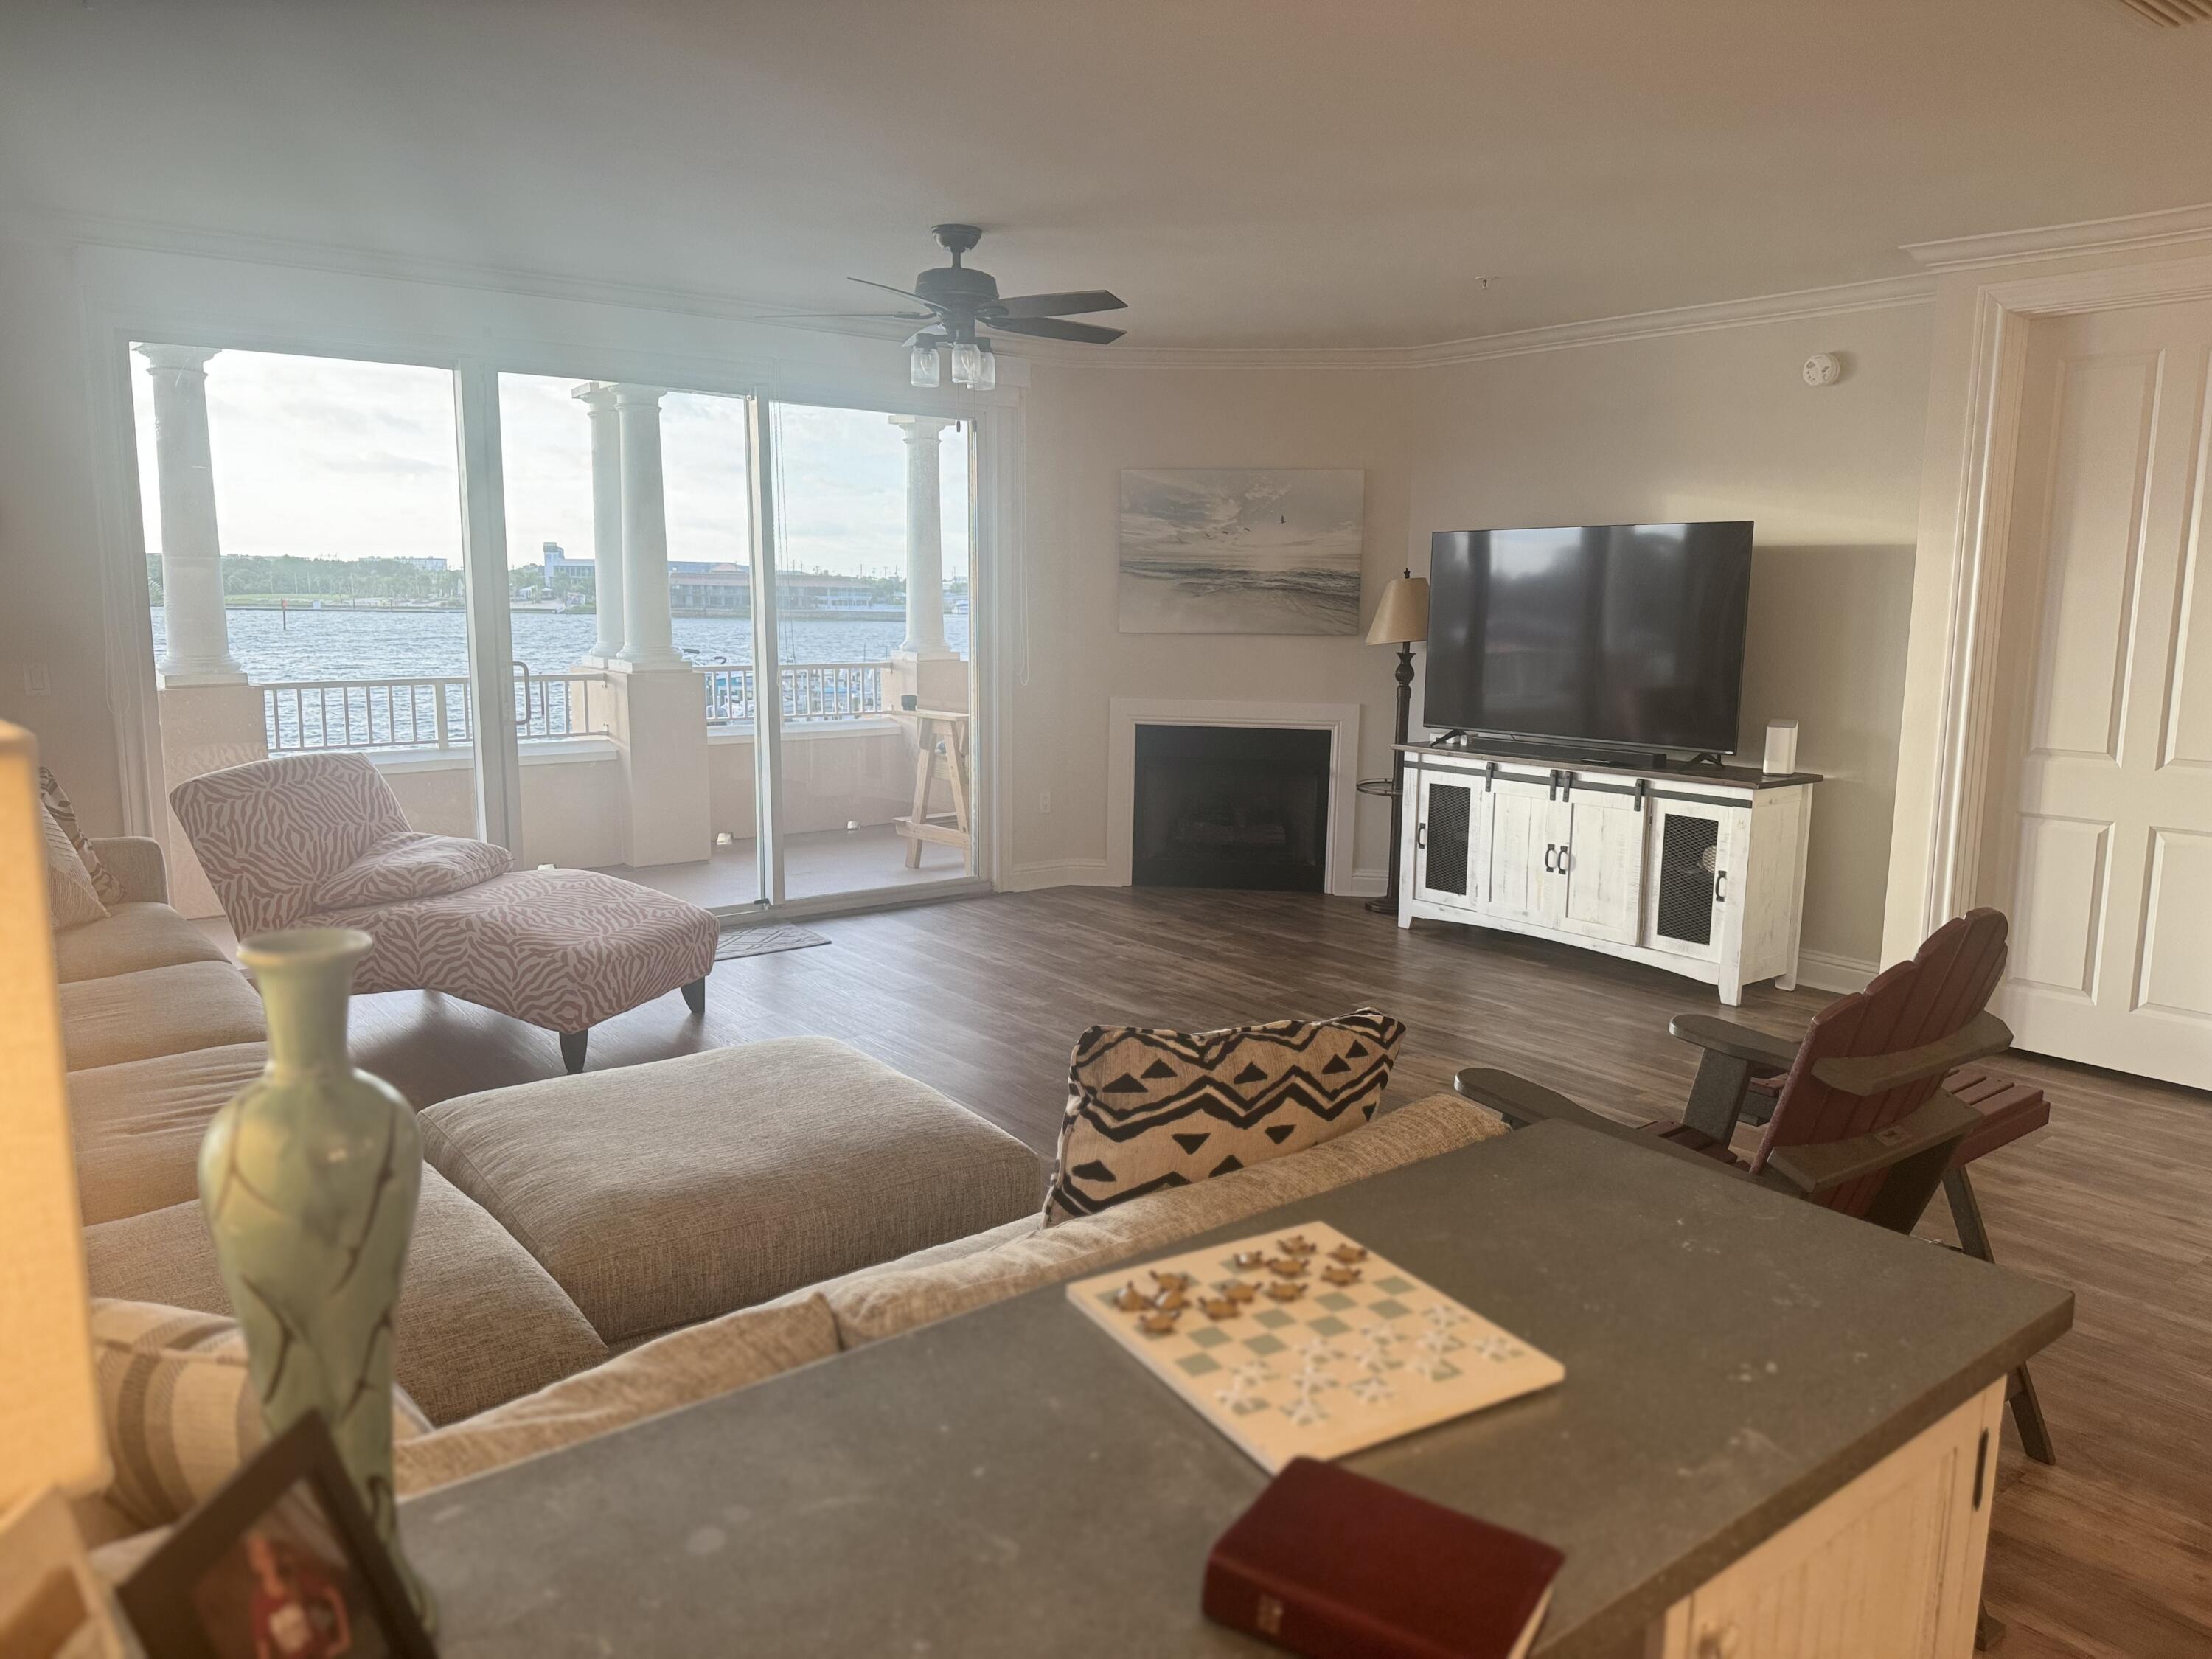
x=1332, y=1565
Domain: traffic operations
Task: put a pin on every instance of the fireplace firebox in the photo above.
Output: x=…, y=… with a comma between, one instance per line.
x=1241, y=806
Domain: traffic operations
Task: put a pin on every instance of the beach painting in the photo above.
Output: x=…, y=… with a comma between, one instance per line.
x=1241, y=551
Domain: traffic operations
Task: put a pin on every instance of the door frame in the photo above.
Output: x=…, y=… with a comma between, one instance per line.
x=1966, y=725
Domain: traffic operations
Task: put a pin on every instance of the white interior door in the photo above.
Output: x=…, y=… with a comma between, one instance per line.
x=2101, y=813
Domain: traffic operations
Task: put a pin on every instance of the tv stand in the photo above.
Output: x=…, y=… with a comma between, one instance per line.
x=1697, y=867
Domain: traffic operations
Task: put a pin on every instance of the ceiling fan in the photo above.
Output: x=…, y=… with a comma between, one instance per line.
x=959, y=300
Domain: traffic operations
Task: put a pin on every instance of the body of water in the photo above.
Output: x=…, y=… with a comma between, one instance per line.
x=389, y=645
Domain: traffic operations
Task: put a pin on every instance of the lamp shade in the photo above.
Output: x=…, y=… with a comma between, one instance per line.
x=1402, y=618
x=50, y=1432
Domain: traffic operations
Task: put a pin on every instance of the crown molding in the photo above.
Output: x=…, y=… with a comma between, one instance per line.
x=2006, y=247
x=1881, y=294
x=1837, y=299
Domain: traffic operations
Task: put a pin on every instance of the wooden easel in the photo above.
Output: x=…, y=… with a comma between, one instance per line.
x=939, y=733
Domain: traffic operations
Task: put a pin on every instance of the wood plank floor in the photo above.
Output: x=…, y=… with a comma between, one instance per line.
x=2107, y=1556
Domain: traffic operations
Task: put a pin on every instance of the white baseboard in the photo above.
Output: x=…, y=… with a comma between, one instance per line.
x=1842, y=974
x=1369, y=883
x=1065, y=873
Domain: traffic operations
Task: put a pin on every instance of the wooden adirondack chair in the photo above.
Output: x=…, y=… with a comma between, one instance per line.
x=1868, y=1113
x=1860, y=1123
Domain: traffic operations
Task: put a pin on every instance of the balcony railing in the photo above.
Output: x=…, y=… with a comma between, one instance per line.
x=812, y=691
x=307, y=716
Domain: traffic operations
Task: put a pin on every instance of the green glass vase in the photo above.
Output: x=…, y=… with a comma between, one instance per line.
x=308, y=1179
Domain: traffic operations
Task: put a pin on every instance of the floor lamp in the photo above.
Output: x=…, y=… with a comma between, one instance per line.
x=1402, y=619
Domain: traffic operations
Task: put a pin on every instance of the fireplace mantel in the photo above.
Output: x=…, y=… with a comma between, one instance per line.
x=1339, y=719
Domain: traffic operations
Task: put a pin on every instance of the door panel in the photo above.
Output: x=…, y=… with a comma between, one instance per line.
x=1689, y=853
x=1449, y=847
x=1603, y=894
x=1519, y=885
x=2101, y=789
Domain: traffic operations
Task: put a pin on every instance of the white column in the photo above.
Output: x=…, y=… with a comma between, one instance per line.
x=925, y=538
x=648, y=637
x=192, y=571
x=599, y=399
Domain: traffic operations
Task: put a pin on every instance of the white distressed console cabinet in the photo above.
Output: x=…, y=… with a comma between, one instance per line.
x=1697, y=870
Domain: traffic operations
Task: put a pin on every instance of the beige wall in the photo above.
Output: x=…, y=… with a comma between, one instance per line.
x=1719, y=424
x=1700, y=424
x=1084, y=425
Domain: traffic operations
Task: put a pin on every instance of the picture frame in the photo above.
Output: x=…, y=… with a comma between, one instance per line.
x=282, y=1562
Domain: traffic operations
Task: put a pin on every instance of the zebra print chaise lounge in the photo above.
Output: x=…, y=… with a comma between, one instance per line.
x=319, y=840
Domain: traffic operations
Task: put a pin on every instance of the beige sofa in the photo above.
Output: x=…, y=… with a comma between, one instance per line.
x=559, y=1221
x=565, y=1227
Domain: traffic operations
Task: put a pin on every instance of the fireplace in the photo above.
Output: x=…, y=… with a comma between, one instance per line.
x=1240, y=807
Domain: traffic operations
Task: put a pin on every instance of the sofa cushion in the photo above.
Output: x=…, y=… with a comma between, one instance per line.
x=413, y=864
x=105, y=885
x=158, y=1011
x=178, y=1406
x=133, y=938
x=70, y=901
x=137, y=1125
x=479, y=1322
x=1148, y=1109
x=676, y=1191
x=901, y=1294
x=681, y=1369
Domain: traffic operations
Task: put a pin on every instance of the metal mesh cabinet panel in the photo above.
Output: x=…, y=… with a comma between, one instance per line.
x=1689, y=849
x=1452, y=810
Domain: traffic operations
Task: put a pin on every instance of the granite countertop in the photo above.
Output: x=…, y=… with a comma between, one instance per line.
x=1009, y=1483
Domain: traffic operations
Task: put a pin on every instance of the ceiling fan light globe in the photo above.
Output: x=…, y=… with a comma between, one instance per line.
x=986, y=368
x=922, y=365
x=967, y=362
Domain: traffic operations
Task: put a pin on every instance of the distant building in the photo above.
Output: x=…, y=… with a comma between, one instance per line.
x=435, y=566
x=719, y=589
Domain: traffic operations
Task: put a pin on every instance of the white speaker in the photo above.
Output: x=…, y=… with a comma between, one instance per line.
x=1781, y=749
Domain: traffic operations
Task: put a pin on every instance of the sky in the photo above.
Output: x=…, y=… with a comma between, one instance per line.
x=329, y=457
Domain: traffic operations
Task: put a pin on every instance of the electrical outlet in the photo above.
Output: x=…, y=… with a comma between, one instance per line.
x=1044, y=801
x=36, y=681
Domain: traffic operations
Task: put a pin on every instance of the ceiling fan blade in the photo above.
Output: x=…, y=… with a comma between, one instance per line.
x=876, y=316
x=1051, y=328
x=1058, y=305
x=904, y=293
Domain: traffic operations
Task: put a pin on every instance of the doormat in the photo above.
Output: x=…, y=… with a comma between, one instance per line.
x=736, y=942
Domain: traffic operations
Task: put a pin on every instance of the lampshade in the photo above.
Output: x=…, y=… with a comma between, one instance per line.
x=49, y=1431
x=1402, y=618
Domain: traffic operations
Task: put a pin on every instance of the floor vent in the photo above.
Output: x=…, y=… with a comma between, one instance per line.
x=2171, y=14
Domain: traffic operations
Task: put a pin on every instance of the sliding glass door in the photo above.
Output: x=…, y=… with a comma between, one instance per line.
x=715, y=643
x=870, y=589
x=739, y=724
x=302, y=523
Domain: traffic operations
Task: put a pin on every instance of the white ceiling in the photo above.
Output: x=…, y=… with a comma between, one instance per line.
x=1244, y=173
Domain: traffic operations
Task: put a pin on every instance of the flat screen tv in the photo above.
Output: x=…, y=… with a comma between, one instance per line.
x=1625, y=635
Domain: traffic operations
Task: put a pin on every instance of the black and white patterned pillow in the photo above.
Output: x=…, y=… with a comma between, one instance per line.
x=1149, y=1109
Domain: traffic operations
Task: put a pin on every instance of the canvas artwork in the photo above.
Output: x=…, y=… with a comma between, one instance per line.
x=1241, y=551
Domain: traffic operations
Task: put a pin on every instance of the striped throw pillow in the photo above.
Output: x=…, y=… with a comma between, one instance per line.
x=55, y=799
x=179, y=1407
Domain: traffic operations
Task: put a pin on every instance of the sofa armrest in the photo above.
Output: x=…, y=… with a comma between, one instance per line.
x=136, y=861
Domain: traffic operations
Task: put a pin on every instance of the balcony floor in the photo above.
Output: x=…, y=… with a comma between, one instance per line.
x=815, y=864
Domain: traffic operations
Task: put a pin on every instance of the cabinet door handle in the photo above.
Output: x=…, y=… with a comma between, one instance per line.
x=1720, y=887
x=1551, y=858
x=1421, y=835
x=1566, y=860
